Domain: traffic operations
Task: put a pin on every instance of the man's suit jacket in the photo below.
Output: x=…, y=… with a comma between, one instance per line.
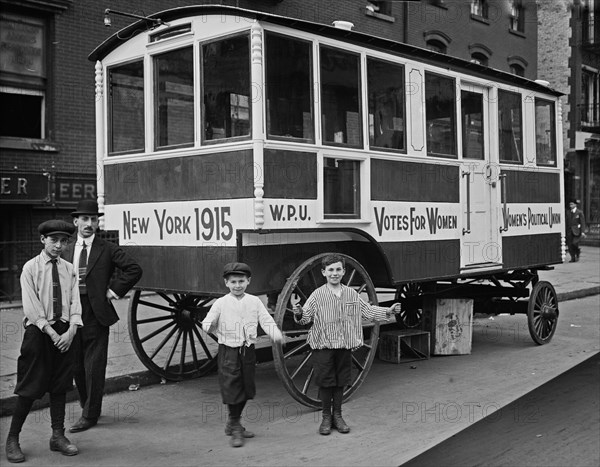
x=104, y=258
x=575, y=222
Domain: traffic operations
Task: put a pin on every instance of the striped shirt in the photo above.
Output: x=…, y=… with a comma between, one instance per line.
x=337, y=322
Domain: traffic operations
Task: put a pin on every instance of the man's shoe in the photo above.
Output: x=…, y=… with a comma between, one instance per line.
x=245, y=433
x=82, y=424
x=237, y=436
x=325, y=427
x=59, y=442
x=340, y=424
x=13, y=450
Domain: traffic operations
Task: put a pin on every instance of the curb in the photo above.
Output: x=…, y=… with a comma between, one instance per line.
x=147, y=378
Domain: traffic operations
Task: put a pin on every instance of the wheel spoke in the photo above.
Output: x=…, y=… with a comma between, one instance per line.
x=158, y=331
x=302, y=363
x=357, y=363
x=296, y=350
x=308, y=380
x=351, y=277
x=172, y=351
x=183, y=351
x=202, y=343
x=157, y=306
x=153, y=320
x=163, y=342
x=167, y=299
x=193, y=347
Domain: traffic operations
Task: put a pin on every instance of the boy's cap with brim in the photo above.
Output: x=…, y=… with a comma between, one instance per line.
x=237, y=268
x=56, y=227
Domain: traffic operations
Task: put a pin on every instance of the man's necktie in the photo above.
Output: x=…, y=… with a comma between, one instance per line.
x=56, y=293
x=82, y=269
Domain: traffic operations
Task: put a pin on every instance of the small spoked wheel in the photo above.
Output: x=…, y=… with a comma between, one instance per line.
x=409, y=295
x=167, y=335
x=293, y=361
x=542, y=312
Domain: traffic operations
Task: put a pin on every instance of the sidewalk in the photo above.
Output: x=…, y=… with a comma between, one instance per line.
x=571, y=281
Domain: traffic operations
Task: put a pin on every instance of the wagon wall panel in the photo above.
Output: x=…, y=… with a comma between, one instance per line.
x=531, y=250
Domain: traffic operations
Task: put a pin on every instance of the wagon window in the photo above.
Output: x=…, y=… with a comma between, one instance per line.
x=341, y=188
x=510, y=131
x=471, y=105
x=440, y=98
x=226, y=88
x=126, y=108
x=386, y=104
x=545, y=133
x=174, y=98
x=289, y=86
x=340, y=94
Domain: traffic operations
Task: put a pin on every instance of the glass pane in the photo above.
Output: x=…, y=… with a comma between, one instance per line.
x=545, y=133
x=510, y=127
x=340, y=94
x=471, y=105
x=289, y=85
x=226, y=88
x=440, y=96
x=126, y=107
x=386, y=104
x=21, y=115
x=341, y=188
x=174, y=97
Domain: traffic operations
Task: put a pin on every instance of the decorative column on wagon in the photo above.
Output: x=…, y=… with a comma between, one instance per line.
x=258, y=128
x=99, y=80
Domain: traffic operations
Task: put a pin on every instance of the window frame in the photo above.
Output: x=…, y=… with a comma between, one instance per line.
x=553, y=150
x=430, y=153
x=521, y=115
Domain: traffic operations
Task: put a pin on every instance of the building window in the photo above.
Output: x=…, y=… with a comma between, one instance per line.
x=517, y=16
x=590, y=28
x=174, y=98
x=440, y=114
x=341, y=188
x=517, y=70
x=479, y=8
x=479, y=58
x=226, y=88
x=437, y=40
x=386, y=104
x=510, y=127
x=23, y=82
x=436, y=46
x=545, y=133
x=590, y=98
x=381, y=7
x=289, y=88
x=340, y=96
x=126, y=108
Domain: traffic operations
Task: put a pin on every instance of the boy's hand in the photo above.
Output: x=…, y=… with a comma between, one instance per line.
x=279, y=338
x=64, y=341
x=297, y=309
x=394, y=309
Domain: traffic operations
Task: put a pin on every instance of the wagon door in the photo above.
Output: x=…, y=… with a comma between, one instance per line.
x=479, y=245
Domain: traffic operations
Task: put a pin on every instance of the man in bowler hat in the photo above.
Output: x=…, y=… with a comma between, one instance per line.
x=575, y=230
x=96, y=261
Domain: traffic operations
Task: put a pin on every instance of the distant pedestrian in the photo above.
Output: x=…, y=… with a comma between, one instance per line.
x=235, y=318
x=105, y=273
x=336, y=312
x=575, y=230
x=52, y=316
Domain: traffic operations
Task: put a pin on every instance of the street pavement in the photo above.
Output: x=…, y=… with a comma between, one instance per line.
x=195, y=405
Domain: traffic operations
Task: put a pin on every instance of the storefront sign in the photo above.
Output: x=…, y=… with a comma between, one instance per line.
x=72, y=191
x=22, y=187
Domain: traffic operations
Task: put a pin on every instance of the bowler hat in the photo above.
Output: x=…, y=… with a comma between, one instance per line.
x=56, y=226
x=237, y=268
x=87, y=206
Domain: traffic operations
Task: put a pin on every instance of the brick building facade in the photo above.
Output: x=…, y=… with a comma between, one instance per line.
x=47, y=136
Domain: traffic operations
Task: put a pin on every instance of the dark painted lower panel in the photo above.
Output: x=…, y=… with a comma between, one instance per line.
x=183, y=269
x=417, y=261
x=531, y=250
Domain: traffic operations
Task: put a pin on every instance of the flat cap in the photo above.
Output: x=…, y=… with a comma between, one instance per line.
x=237, y=268
x=56, y=226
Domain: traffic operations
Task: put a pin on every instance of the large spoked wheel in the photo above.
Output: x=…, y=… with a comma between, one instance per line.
x=410, y=296
x=167, y=335
x=293, y=361
x=542, y=312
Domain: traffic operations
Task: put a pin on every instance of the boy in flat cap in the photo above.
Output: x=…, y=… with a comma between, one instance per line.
x=52, y=315
x=235, y=318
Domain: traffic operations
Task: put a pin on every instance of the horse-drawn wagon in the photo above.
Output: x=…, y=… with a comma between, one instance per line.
x=232, y=135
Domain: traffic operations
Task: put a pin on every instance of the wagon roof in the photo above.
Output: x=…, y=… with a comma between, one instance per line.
x=358, y=38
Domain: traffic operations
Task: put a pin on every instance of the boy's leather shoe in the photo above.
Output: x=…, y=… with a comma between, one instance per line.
x=13, y=450
x=82, y=424
x=237, y=436
x=340, y=424
x=245, y=433
x=325, y=427
x=59, y=442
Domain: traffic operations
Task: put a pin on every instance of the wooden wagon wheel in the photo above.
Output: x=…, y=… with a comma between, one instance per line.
x=292, y=361
x=167, y=335
x=542, y=312
x=411, y=315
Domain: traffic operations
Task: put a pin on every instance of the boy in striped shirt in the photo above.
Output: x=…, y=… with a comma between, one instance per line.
x=336, y=312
